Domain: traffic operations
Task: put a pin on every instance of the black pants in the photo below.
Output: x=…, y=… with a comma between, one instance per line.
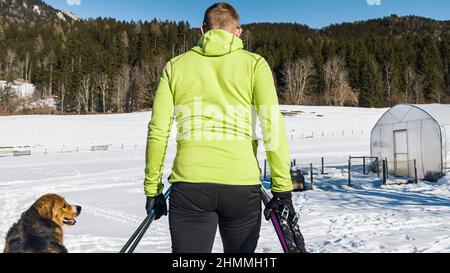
x=197, y=209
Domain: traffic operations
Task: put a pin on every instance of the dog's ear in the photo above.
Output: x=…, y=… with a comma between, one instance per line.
x=44, y=207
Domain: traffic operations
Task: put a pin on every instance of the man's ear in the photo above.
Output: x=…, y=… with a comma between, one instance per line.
x=238, y=32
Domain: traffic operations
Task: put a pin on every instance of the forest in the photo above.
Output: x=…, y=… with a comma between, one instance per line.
x=107, y=66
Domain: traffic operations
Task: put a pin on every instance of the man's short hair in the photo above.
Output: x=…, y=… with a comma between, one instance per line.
x=221, y=16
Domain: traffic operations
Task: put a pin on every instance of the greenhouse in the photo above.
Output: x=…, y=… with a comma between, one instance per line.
x=414, y=137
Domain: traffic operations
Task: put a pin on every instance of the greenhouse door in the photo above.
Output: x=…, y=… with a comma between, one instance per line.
x=401, y=163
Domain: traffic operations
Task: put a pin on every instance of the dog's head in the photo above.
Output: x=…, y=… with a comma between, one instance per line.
x=55, y=208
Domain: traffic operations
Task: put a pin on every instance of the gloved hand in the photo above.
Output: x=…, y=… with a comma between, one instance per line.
x=279, y=201
x=158, y=204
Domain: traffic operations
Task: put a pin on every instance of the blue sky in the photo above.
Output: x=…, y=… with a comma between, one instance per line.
x=315, y=13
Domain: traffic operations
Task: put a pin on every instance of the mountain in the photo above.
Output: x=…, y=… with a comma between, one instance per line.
x=31, y=10
x=390, y=25
x=108, y=65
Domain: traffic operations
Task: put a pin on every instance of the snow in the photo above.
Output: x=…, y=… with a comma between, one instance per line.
x=334, y=217
x=21, y=88
x=36, y=9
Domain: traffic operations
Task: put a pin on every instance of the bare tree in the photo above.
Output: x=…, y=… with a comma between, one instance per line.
x=102, y=84
x=10, y=59
x=123, y=86
x=337, y=89
x=413, y=85
x=85, y=92
x=388, y=79
x=39, y=44
x=297, y=77
x=62, y=92
x=150, y=76
x=155, y=29
x=125, y=40
x=27, y=69
x=410, y=77
x=2, y=34
x=418, y=88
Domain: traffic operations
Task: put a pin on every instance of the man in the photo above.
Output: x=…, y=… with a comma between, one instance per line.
x=216, y=175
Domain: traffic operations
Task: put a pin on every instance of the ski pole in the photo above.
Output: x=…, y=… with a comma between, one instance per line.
x=142, y=229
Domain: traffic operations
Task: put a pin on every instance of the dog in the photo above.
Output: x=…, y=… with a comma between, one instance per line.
x=40, y=229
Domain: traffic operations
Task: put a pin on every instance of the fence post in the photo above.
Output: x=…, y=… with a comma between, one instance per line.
x=323, y=166
x=384, y=172
x=350, y=172
x=364, y=165
x=387, y=168
x=312, y=176
x=416, y=181
x=378, y=167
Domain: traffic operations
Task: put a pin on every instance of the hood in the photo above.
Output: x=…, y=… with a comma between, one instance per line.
x=218, y=42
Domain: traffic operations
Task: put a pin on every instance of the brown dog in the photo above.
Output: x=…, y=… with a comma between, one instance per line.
x=40, y=229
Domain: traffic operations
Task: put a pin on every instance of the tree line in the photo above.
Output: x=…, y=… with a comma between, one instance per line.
x=107, y=66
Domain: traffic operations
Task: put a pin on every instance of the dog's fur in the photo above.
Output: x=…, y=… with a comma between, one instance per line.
x=40, y=229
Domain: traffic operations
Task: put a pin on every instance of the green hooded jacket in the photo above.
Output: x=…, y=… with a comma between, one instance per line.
x=214, y=93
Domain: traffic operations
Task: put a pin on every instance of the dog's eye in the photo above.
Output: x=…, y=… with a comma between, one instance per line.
x=65, y=206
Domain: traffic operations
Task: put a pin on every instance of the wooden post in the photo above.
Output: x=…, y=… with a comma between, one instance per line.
x=384, y=172
x=387, y=168
x=323, y=166
x=378, y=167
x=350, y=172
x=415, y=172
x=364, y=165
x=312, y=176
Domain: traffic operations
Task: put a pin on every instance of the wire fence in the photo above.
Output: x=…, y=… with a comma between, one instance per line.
x=42, y=150
x=293, y=135
x=352, y=168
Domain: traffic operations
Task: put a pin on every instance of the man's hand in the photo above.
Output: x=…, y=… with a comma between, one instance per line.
x=158, y=204
x=279, y=201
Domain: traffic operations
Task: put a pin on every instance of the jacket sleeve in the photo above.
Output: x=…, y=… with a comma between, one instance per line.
x=158, y=135
x=272, y=127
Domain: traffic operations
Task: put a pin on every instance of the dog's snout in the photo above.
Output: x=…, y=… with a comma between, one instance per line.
x=78, y=208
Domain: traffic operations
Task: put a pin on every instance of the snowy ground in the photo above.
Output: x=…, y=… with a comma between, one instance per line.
x=334, y=218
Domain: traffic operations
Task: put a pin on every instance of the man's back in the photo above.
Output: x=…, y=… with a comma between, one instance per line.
x=214, y=92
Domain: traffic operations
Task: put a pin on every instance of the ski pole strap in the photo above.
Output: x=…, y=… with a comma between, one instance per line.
x=137, y=236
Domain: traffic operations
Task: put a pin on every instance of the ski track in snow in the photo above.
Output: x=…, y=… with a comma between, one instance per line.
x=334, y=218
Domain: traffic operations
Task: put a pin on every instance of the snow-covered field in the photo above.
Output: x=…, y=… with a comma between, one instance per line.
x=108, y=184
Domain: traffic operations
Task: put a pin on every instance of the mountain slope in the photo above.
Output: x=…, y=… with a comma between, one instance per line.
x=30, y=10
